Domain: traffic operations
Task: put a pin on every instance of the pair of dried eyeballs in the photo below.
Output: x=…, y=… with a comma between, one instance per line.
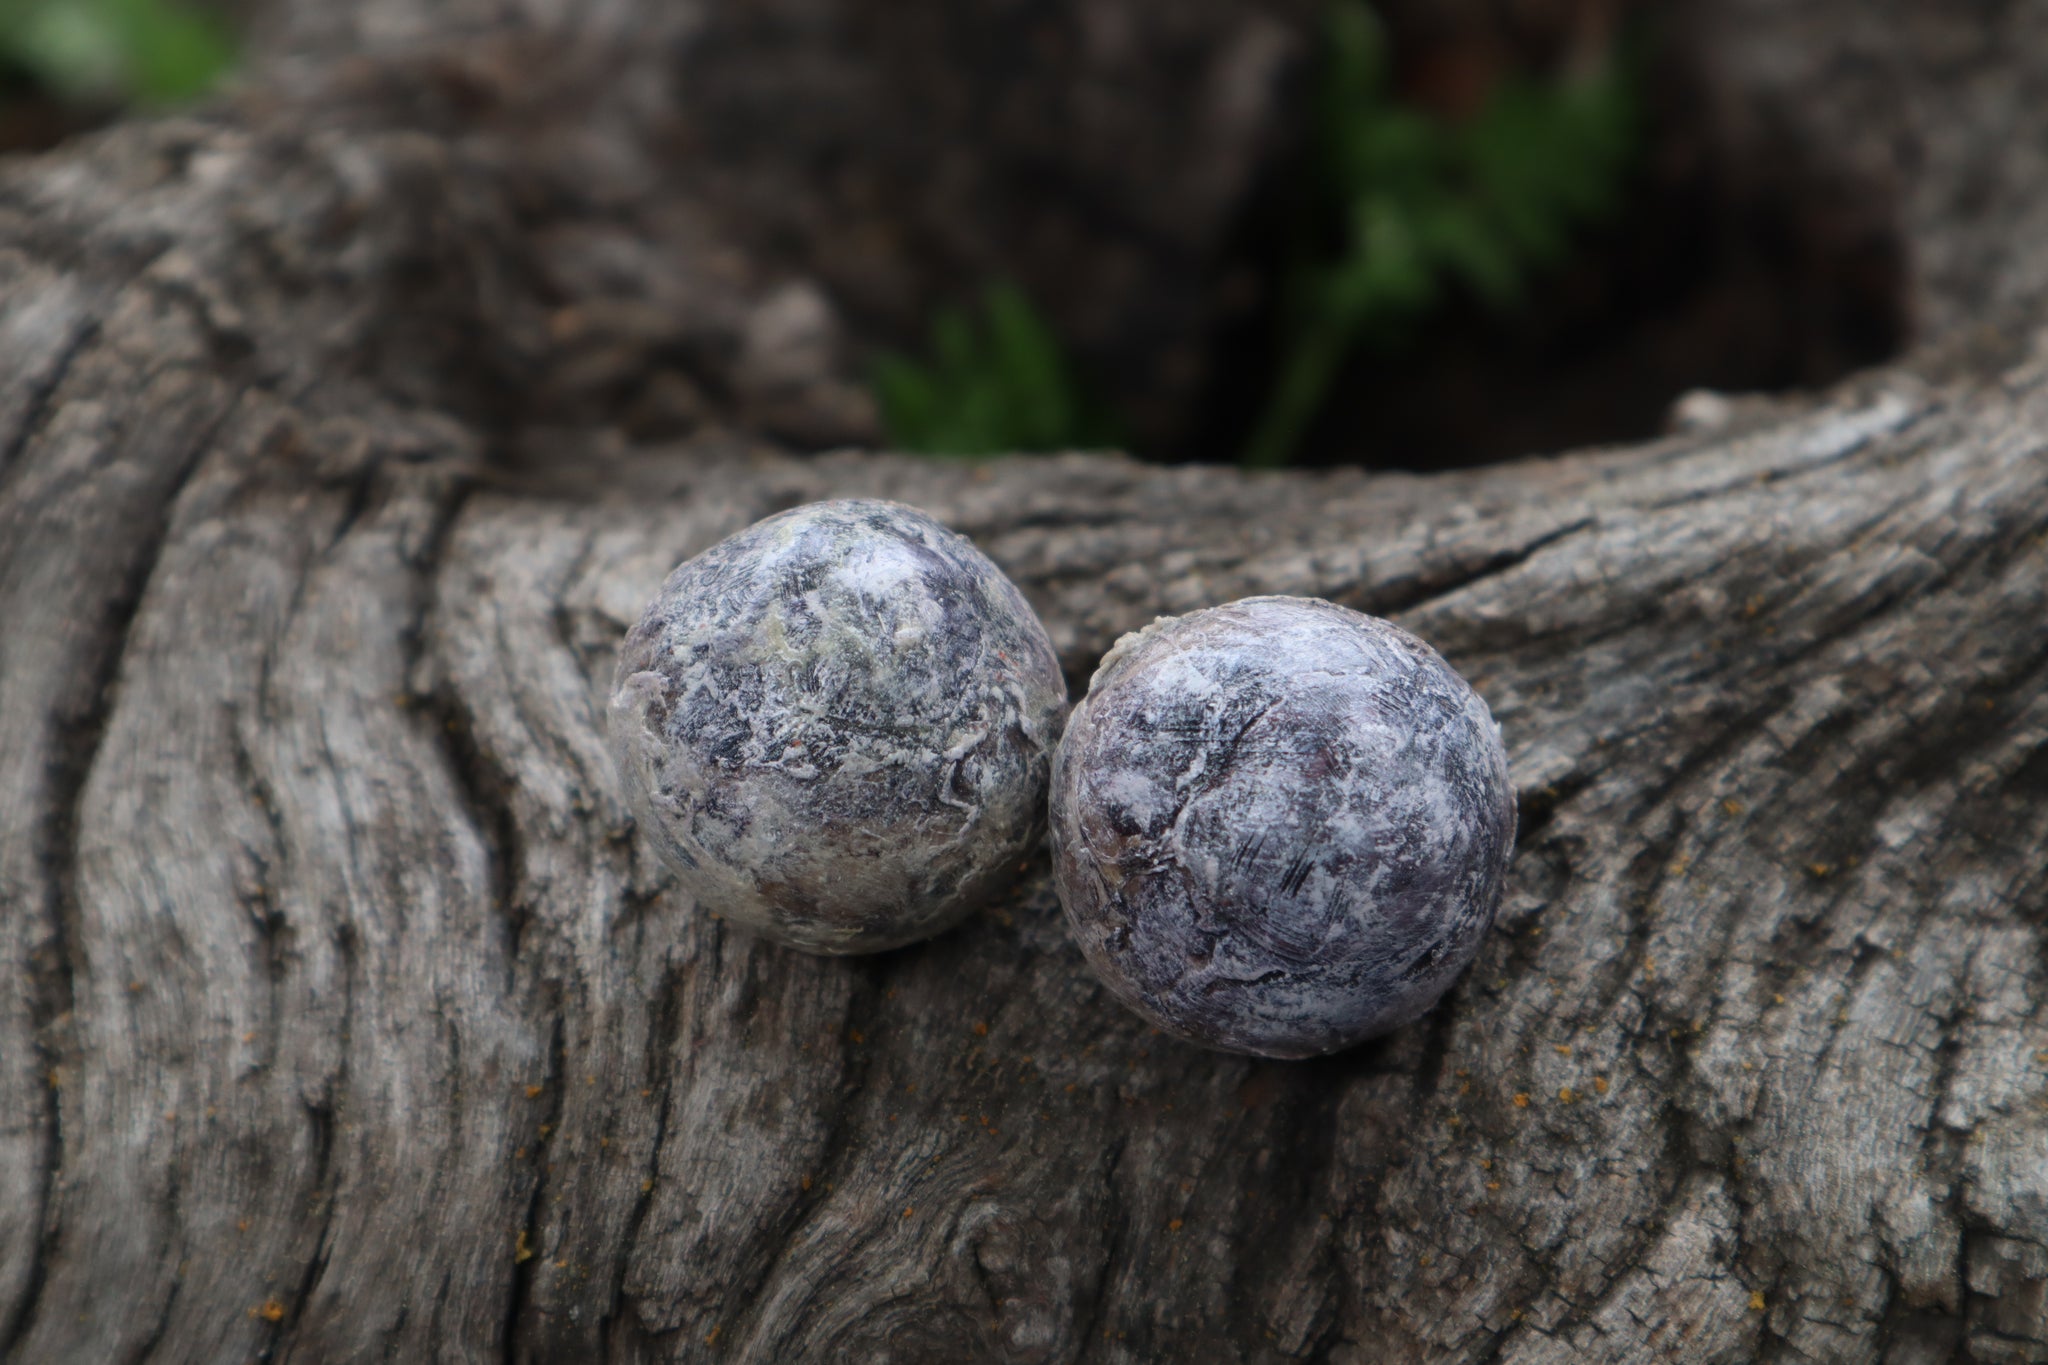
x=1278, y=826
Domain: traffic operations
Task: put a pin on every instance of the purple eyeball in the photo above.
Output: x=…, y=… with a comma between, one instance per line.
x=837, y=726
x=1280, y=826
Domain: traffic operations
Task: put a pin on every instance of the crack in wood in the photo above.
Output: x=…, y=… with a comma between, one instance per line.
x=77, y=747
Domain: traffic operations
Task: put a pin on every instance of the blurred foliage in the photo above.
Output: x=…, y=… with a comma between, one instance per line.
x=1428, y=204
x=151, y=52
x=1399, y=207
x=997, y=380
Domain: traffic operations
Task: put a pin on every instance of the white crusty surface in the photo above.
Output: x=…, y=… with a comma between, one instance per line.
x=836, y=726
x=1280, y=826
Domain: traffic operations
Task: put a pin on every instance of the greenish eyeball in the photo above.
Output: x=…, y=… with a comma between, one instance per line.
x=1279, y=826
x=837, y=726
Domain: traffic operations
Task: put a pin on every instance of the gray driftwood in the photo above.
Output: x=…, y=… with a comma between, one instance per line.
x=344, y=1016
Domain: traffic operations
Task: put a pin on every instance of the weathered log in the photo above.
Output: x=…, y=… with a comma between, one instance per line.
x=345, y=1015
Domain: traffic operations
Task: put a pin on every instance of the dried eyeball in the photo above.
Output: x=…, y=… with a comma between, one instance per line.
x=1280, y=826
x=837, y=725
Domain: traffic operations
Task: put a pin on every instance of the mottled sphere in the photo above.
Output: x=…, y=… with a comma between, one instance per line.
x=837, y=726
x=1280, y=826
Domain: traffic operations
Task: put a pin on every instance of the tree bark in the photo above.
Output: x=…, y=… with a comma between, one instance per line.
x=345, y=1015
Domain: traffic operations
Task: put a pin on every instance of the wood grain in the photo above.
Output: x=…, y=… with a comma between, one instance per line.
x=345, y=1015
